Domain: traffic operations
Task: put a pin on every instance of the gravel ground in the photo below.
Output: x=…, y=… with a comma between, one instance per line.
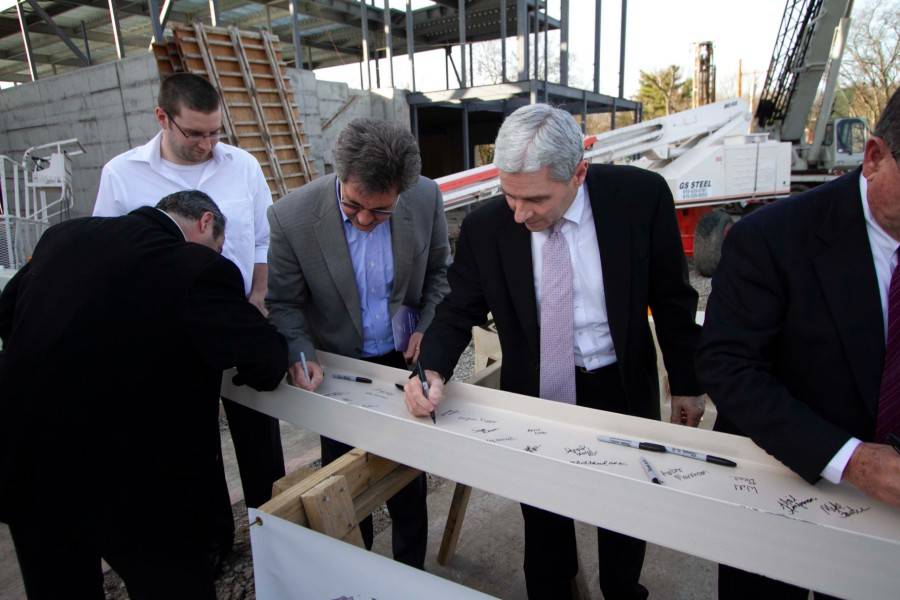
x=235, y=580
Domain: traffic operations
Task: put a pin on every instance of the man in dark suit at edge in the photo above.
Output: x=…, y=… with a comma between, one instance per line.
x=568, y=264
x=801, y=344
x=115, y=336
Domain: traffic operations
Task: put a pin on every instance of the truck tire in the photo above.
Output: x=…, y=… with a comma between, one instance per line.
x=708, y=237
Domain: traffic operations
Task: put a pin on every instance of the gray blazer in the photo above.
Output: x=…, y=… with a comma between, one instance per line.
x=313, y=298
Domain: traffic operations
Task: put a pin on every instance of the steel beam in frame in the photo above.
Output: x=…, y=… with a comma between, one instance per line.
x=503, y=40
x=295, y=33
x=87, y=46
x=117, y=29
x=410, y=46
x=166, y=12
x=38, y=9
x=467, y=158
x=522, y=40
x=388, y=41
x=622, y=50
x=546, y=44
x=537, y=42
x=158, y=34
x=365, y=44
x=461, y=11
x=598, y=10
x=564, y=42
x=214, y=15
x=26, y=40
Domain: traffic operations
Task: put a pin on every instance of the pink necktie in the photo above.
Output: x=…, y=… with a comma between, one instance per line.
x=557, y=320
x=889, y=397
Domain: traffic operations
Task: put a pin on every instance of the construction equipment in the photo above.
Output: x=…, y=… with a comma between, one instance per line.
x=707, y=155
x=809, y=47
x=34, y=192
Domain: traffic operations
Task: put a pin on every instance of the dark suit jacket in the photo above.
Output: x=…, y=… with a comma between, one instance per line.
x=313, y=297
x=793, y=343
x=115, y=337
x=643, y=266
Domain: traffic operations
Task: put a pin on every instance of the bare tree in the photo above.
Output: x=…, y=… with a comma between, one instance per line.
x=871, y=67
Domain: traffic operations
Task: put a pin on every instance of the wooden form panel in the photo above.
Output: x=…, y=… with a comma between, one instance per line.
x=259, y=113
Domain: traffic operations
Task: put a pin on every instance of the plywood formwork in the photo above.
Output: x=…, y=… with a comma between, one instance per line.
x=258, y=110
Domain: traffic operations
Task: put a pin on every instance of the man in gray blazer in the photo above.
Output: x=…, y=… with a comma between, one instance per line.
x=347, y=253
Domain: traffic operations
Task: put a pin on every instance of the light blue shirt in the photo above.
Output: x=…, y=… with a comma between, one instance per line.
x=373, y=268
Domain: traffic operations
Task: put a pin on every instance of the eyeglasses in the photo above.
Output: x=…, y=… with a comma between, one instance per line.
x=353, y=208
x=195, y=136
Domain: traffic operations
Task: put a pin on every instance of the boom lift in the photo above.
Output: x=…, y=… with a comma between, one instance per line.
x=708, y=155
x=809, y=47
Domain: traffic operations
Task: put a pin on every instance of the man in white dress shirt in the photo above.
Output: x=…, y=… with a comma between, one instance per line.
x=186, y=154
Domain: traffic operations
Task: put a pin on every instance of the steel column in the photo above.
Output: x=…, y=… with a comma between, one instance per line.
x=564, y=42
x=467, y=158
x=461, y=11
x=522, y=40
x=598, y=10
x=87, y=46
x=153, y=8
x=117, y=29
x=367, y=71
x=214, y=18
x=503, y=41
x=26, y=41
x=622, y=50
x=166, y=12
x=295, y=33
x=410, y=45
x=388, y=41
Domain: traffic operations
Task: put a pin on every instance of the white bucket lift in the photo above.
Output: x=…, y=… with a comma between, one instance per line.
x=33, y=193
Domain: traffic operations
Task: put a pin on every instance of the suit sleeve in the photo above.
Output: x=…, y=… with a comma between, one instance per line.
x=435, y=286
x=8, y=298
x=288, y=293
x=737, y=358
x=228, y=331
x=463, y=308
x=672, y=299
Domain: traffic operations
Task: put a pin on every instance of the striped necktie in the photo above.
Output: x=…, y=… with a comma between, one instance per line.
x=889, y=397
x=557, y=320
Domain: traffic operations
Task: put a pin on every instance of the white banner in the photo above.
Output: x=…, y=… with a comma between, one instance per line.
x=293, y=562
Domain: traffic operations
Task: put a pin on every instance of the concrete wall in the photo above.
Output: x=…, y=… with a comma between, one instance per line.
x=108, y=107
x=318, y=101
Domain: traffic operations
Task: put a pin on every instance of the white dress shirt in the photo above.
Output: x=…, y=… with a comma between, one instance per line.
x=884, y=255
x=593, y=342
x=232, y=178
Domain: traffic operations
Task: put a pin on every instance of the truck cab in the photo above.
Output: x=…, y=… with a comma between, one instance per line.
x=844, y=144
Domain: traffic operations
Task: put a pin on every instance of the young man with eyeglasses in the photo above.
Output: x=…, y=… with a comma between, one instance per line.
x=349, y=252
x=186, y=154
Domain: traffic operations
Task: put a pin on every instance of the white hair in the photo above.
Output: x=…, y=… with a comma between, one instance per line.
x=538, y=136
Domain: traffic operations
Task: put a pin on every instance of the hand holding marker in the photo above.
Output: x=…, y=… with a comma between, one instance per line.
x=421, y=373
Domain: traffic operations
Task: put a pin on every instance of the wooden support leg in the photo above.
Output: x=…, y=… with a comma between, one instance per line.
x=454, y=523
x=329, y=508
